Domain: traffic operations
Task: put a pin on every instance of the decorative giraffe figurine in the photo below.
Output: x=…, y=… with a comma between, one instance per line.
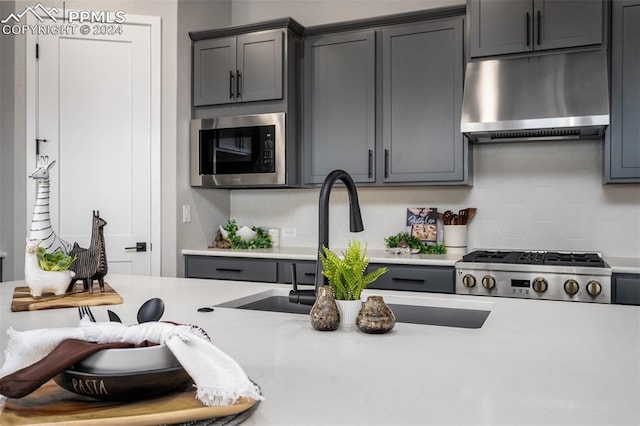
x=86, y=265
x=41, y=228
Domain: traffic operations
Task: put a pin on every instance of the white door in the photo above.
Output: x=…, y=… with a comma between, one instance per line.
x=97, y=106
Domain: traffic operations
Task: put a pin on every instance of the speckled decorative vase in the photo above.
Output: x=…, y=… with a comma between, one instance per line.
x=324, y=312
x=375, y=317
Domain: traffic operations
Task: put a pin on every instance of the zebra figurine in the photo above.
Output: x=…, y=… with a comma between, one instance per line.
x=41, y=228
x=87, y=263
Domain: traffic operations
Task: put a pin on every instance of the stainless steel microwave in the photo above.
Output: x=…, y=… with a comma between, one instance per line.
x=239, y=151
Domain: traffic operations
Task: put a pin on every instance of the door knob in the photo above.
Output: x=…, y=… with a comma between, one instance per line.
x=138, y=247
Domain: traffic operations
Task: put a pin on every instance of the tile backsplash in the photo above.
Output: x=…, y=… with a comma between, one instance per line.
x=533, y=195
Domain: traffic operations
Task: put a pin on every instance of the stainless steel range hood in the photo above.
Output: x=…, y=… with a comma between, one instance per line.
x=549, y=97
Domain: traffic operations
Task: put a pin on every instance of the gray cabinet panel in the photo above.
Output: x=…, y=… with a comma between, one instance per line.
x=224, y=268
x=566, y=23
x=436, y=279
x=305, y=272
x=238, y=69
x=260, y=66
x=500, y=27
x=340, y=106
x=213, y=63
x=626, y=289
x=422, y=97
x=622, y=156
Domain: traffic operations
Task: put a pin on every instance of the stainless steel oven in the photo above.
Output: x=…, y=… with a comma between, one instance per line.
x=239, y=151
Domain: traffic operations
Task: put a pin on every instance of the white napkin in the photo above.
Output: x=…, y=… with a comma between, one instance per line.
x=218, y=377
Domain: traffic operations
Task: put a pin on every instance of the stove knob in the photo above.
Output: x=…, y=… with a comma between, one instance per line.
x=469, y=281
x=540, y=285
x=488, y=282
x=571, y=287
x=594, y=288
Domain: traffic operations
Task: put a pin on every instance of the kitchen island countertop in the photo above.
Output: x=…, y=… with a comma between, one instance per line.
x=533, y=362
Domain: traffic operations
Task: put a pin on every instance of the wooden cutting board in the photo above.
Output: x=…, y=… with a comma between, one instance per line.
x=51, y=404
x=22, y=300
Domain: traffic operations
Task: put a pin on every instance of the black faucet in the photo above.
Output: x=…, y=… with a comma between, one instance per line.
x=308, y=297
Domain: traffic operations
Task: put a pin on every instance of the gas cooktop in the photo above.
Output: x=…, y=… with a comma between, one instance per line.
x=550, y=275
x=536, y=258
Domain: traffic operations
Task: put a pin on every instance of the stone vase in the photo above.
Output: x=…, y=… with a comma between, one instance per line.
x=375, y=317
x=349, y=310
x=324, y=312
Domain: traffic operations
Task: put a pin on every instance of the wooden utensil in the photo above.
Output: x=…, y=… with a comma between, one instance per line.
x=463, y=215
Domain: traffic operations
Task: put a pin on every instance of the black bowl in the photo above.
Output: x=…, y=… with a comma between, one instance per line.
x=122, y=386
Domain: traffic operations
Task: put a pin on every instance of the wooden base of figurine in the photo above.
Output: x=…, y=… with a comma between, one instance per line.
x=22, y=300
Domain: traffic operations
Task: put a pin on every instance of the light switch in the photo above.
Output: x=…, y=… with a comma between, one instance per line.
x=186, y=213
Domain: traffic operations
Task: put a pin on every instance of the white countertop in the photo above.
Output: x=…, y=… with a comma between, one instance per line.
x=533, y=362
x=624, y=265
x=311, y=253
x=628, y=265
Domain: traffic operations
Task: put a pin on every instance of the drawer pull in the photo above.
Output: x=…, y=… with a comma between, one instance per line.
x=228, y=270
x=413, y=280
x=309, y=274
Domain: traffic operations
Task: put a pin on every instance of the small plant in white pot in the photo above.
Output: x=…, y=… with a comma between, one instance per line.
x=347, y=277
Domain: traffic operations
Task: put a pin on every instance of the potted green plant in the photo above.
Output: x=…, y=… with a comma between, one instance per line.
x=347, y=277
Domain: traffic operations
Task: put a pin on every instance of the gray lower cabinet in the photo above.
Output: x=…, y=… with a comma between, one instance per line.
x=238, y=69
x=626, y=289
x=305, y=272
x=622, y=141
x=432, y=279
x=384, y=104
x=498, y=27
x=339, y=92
x=226, y=268
x=421, y=102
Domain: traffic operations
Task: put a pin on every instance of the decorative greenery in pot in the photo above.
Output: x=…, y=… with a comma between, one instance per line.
x=56, y=261
x=404, y=239
x=261, y=240
x=348, y=275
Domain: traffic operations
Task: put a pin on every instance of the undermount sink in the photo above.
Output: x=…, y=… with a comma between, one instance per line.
x=407, y=309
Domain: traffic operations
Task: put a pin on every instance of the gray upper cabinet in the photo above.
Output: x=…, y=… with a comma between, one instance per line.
x=238, y=69
x=384, y=104
x=622, y=142
x=422, y=97
x=500, y=27
x=339, y=115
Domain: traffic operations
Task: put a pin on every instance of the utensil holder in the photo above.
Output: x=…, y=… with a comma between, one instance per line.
x=455, y=238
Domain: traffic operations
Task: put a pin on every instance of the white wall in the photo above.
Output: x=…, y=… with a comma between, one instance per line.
x=544, y=195
x=175, y=113
x=208, y=206
x=6, y=147
x=537, y=196
x=317, y=12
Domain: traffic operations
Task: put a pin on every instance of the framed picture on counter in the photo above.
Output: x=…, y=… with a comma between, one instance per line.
x=422, y=223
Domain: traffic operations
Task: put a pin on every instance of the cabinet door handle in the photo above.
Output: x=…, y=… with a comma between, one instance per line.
x=370, y=164
x=238, y=77
x=539, y=27
x=230, y=84
x=228, y=270
x=309, y=274
x=528, y=29
x=412, y=280
x=386, y=163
